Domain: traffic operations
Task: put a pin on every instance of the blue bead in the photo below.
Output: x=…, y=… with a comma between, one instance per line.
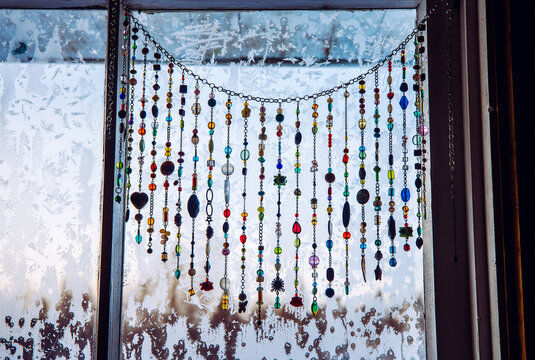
x=279, y=166
x=261, y=193
x=391, y=192
x=329, y=244
x=195, y=158
x=228, y=150
x=243, y=228
x=138, y=239
x=393, y=262
x=329, y=292
x=122, y=96
x=392, y=249
x=169, y=119
x=362, y=246
x=403, y=102
x=362, y=148
x=405, y=194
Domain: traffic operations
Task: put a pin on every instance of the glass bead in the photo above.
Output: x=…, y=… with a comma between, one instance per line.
x=278, y=250
x=314, y=260
x=227, y=169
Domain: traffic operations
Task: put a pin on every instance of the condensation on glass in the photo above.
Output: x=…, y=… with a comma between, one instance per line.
x=276, y=54
x=51, y=121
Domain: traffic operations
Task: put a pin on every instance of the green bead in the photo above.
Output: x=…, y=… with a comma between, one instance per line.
x=244, y=155
x=347, y=290
x=211, y=132
x=297, y=242
x=314, y=308
x=346, y=193
x=390, y=126
x=278, y=250
x=362, y=155
x=154, y=132
x=260, y=216
x=210, y=183
x=314, y=130
x=297, y=154
x=119, y=165
x=178, y=249
x=182, y=124
x=118, y=198
x=177, y=273
x=119, y=182
x=346, y=174
x=377, y=242
x=314, y=291
x=141, y=145
x=297, y=170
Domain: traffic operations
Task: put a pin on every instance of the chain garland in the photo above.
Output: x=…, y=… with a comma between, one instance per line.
x=259, y=99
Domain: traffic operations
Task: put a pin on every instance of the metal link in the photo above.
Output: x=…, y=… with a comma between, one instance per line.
x=258, y=99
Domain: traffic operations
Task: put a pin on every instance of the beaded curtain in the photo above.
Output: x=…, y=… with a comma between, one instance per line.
x=379, y=319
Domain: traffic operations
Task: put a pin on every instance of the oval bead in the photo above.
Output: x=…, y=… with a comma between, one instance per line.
x=346, y=214
x=167, y=168
x=244, y=155
x=226, y=227
x=297, y=242
x=329, y=227
x=405, y=195
x=330, y=274
x=227, y=191
x=224, y=284
x=298, y=138
x=193, y=206
x=296, y=228
x=391, y=228
x=363, y=196
x=403, y=102
x=211, y=145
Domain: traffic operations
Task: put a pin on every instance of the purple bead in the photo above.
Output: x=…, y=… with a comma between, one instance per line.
x=225, y=251
x=423, y=130
x=211, y=96
x=314, y=261
x=329, y=197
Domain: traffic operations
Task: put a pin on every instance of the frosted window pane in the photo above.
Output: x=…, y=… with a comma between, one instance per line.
x=51, y=121
x=378, y=319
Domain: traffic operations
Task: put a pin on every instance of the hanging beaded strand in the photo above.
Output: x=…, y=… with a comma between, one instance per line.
x=391, y=174
x=227, y=170
x=346, y=211
x=423, y=130
x=139, y=198
x=260, y=272
x=297, y=301
x=153, y=167
x=183, y=90
x=279, y=180
x=329, y=178
x=417, y=142
x=314, y=260
x=406, y=230
x=207, y=285
x=129, y=146
x=167, y=167
x=363, y=195
x=377, y=203
x=244, y=156
x=122, y=113
x=193, y=201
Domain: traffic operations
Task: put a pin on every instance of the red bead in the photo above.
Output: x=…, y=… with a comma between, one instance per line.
x=279, y=133
x=243, y=238
x=347, y=235
x=152, y=187
x=406, y=247
x=226, y=213
x=153, y=167
x=345, y=159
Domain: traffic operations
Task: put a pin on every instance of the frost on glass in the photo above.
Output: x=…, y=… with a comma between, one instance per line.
x=51, y=121
x=243, y=51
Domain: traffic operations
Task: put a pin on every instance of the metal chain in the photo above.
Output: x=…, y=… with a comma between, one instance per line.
x=259, y=99
x=451, y=133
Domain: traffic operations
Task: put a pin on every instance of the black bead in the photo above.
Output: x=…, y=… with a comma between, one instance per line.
x=121, y=128
x=330, y=177
x=404, y=87
x=178, y=220
x=417, y=152
x=419, y=242
x=362, y=173
x=363, y=196
x=418, y=182
x=122, y=114
x=298, y=138
x=156, y=67
x=391, y=228
x=142, y=114
x=209, y=232
x=226, y=227
x=183, y=89
x=167, y=168
x=378, y=255
x=418, y=166
x=390, y=159
x=139, y=199
x=242, y=296
x=346, y=214
x=154, y=110
x=330, y=274
x=378, y=273
x=193, y=206
x=329, y=292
